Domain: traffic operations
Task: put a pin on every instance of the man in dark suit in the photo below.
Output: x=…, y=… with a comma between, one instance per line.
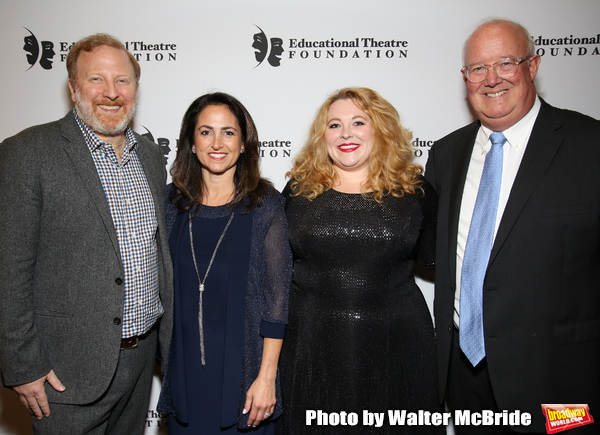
x=517, y=304
x=85, y=273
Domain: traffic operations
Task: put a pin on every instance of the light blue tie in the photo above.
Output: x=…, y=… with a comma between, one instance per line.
x=477, y=253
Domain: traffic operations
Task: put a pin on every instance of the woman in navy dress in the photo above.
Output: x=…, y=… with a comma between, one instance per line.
x=232, y=266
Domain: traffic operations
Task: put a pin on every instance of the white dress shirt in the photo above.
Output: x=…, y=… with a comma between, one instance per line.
x=517, y=137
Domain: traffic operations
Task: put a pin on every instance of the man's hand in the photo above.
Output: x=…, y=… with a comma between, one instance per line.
x=33, y=395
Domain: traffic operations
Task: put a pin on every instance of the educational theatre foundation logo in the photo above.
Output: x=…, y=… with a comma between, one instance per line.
x=278, y=148
x=46, y=53
x=562, y=417
x=300, y=48
x=38, y=52
x=567, y=46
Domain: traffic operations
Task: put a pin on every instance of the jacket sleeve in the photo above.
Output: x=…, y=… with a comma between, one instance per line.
x=430, y=168
x=278, y=272
x=427, y=239
x=22, y=355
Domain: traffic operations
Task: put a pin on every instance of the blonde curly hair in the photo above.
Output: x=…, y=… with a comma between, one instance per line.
x=391, y=170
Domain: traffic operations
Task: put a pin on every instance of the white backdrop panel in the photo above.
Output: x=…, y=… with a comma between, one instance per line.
x=187, y=48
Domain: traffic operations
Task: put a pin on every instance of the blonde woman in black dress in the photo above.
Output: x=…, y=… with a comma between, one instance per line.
x=360, y=335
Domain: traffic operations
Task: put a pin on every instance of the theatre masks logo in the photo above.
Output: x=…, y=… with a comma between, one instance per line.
x=162, y=142
x=42, y=51
x=264, y=46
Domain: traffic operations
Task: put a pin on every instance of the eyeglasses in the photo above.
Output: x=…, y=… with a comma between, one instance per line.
x=505, y=69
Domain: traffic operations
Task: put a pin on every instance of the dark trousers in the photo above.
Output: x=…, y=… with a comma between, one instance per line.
x=470, y=388
x=122, y=409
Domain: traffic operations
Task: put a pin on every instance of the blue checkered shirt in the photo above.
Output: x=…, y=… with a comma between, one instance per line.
x=132, y=210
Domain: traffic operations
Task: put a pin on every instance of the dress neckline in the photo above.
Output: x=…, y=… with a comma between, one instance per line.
x=212, y=211
x=346, y=193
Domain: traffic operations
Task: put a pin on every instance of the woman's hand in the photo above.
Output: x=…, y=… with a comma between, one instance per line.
x=261, y=398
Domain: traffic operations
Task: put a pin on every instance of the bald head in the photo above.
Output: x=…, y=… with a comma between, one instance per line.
x=519, y=31
x=500, y=101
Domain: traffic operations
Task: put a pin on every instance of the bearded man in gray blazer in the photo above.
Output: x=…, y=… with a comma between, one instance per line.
x=85, y=273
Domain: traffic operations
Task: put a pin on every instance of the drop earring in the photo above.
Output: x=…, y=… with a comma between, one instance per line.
x=194, y=150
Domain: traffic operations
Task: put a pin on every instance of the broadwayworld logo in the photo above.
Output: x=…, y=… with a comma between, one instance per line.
x=306, y=48
x=561, y=417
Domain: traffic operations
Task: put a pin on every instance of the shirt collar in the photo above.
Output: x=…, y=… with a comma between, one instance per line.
x=517, y=136
x=94, y=142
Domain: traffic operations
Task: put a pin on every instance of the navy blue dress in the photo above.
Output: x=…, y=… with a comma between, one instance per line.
x=245, y=300
x=216, y=386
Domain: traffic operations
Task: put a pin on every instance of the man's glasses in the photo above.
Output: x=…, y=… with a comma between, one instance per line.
x=505, y=69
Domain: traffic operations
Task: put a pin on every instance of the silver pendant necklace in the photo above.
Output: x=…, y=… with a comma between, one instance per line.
x=201, y=283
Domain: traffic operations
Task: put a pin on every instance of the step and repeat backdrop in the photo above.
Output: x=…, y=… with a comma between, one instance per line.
x=282, y=59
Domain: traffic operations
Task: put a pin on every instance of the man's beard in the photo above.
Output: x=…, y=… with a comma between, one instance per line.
x=110, y=125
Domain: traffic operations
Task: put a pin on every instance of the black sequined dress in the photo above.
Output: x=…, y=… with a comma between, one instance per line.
x=360, y=336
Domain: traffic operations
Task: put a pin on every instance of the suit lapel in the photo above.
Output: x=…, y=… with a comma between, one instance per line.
x=543, y=145
x=81, y=159
x=461, y=156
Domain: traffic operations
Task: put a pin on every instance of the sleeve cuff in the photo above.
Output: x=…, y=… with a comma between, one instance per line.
x=272, y=330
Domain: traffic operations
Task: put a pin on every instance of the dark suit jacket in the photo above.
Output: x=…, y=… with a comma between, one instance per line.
x=61, y=292
x=541, y=300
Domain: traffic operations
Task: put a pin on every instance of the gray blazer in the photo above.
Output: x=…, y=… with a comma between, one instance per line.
x=61, y=291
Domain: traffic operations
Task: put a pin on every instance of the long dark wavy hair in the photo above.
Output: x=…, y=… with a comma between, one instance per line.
x=186, y=171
